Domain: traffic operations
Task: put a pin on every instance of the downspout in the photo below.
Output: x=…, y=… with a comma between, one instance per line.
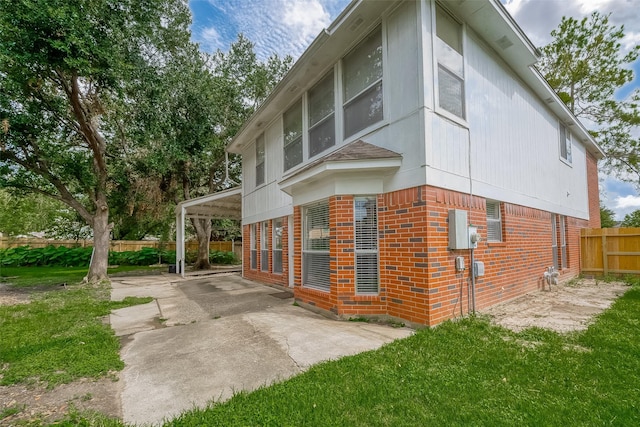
x=472, y=308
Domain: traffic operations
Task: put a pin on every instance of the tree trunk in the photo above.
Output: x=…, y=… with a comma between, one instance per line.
x=203, y=231
x=100, y=259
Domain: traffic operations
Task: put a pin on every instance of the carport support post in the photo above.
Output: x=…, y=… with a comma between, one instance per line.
x=180, y=241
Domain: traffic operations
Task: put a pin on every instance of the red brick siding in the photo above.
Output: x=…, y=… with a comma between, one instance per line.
x=418, y=281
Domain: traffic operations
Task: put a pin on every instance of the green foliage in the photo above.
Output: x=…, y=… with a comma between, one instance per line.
x=632, y=219
x=24, y=256
x=585, y=64
x=607, y=217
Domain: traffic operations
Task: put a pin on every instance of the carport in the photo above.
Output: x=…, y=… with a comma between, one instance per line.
x=226, y=204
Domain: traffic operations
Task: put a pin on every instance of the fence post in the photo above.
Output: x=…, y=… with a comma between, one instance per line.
x=605, y=256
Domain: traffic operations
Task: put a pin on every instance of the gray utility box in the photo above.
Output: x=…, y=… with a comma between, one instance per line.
x=458, y=230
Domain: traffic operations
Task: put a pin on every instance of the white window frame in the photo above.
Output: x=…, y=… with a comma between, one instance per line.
x=264, y=246
x=494, y=221
x=366, y=245
x=347, y=102
x=437, y=65
x=563, y=242
x=316, y=262
x=565, y=141
x=554, y=241
x=294, y=109
x=276, y=245
x=260, y=160
x=328, y=117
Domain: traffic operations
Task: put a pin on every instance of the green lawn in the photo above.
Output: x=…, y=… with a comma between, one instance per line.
x=59, y=335
x=460, y=373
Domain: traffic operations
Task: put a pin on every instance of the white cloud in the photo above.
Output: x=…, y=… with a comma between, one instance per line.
x=305, y=18
x=628, y=202
x=210, y=39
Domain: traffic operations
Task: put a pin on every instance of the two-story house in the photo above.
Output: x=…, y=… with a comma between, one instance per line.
x=401, y=126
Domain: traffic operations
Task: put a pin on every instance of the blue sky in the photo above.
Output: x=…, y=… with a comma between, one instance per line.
x=287, y=27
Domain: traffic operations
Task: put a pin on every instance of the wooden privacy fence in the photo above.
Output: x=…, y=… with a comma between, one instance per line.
x=610, y=250
x=116, y=245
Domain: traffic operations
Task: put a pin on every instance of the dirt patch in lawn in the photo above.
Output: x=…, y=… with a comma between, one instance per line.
x=565, y=308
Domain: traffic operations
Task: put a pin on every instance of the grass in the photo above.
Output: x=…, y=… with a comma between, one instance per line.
x=458, y=374
x=59, y=336
x=48, y=276
x=462, y=373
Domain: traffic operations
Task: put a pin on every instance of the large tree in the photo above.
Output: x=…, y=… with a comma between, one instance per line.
x=200, y=102
x=66, y=72
x=586, y=63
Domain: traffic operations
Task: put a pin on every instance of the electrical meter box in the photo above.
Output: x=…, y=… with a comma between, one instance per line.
x=458, y=231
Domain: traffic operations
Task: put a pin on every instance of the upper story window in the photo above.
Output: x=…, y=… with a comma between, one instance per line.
x=292, y=123
x=450, y=63
x=322, y=125
x=260, y=160
x=565, y=143
x=362, y=83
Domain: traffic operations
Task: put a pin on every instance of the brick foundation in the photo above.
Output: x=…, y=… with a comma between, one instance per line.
x=417, y=276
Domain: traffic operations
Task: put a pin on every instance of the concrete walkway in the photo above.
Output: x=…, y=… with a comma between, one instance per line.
x=207, y=338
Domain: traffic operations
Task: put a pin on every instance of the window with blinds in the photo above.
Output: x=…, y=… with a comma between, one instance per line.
x=554, y=241
x=277, y=245
x=565, y=143
x=563, y=241
x=254, y=251
x=362, y=83
x=315, y=252
x=366, y=241
x=494, y=222
x=292, y=125
x=264, y=246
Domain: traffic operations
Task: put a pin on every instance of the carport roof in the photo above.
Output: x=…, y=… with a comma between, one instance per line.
x=220, y=205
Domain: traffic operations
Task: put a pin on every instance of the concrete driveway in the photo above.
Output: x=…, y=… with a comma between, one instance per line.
x=207, y=338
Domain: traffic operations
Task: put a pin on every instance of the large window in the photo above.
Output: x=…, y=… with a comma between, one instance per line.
x=277, y=245
x=322, y=126
x=315, y=252
x=292, y=123
x=264, y=246
x=362, y=82
x=366, y=239
x=254, y=250
x=260, y=160
x=450, y=63
x=565, y=143
x=494, y=222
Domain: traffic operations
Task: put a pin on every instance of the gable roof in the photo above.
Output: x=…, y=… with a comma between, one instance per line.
x=488, y=18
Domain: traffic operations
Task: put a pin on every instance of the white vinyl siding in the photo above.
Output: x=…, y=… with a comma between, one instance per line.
x=448, y=50
x=315, y=253
x=322, y=125
x=292, y=129
x=366, y=241
x=264, y=246
x=254, y=251
x=565, y=144
x=494, y=222
x=362, y=83
x=260, y=160
x=277, y=245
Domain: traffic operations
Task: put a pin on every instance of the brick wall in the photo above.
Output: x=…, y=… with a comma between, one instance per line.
x=418, y=280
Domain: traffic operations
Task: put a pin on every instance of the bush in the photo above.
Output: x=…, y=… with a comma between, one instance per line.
x=61, y=256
